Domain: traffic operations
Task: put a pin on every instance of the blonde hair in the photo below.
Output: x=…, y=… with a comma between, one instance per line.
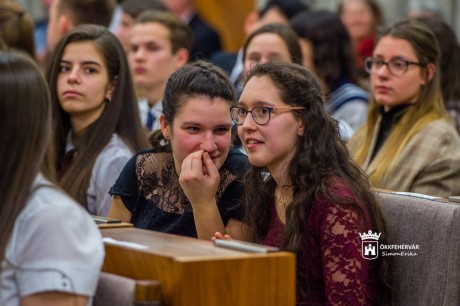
x=428, y=107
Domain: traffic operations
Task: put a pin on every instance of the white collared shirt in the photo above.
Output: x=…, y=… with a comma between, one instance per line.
x=155, y=110
x=54, y=246
x=107, y=167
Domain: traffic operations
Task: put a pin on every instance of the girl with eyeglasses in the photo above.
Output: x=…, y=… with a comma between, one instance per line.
x=304, y=193
x=407, y=143
x=190, y=183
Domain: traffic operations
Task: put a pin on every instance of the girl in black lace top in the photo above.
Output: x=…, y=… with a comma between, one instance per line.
x=190, y=182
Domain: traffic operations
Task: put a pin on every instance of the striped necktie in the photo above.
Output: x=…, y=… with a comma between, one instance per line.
x=150, y=121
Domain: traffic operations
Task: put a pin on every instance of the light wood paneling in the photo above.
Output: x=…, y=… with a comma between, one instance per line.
x=227, y=17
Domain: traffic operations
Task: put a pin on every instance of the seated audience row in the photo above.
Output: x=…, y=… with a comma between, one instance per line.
x=303, y=192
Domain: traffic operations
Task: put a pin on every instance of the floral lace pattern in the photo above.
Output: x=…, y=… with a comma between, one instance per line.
x=330, y=256
x=159, y=183
x=345, y=271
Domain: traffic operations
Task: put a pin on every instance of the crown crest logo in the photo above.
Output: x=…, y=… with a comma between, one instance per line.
x=370, y=236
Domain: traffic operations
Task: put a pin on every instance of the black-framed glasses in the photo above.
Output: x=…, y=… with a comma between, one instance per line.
x=260, y=114
x=396, y=66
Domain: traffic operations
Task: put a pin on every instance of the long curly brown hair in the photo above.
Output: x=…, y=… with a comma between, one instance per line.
x=320, y=156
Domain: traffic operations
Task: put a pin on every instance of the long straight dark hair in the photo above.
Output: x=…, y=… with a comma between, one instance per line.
x=25, y=127
x=333, y=54
x=120, y=115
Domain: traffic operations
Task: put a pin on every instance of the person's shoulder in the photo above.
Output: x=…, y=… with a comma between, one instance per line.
x=351, y=91
x=441, y=130
x=47, y=201
x=115, y=154
x=199, y=24
x=55, y=231
x=236, y=162
x=339, y=186
x=116, y=147
x=442, y=125
x=335, y=188
x=134, y=159
x=151, y=158
x=339, y=200
x=147, y=151
x=225, y=60
x=356, y=140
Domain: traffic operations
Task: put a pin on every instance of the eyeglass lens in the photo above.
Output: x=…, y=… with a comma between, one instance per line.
x=261, y=115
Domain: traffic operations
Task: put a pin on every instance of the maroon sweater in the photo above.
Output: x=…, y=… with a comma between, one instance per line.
x=331, y=254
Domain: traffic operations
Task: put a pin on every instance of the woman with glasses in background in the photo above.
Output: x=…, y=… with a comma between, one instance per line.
x=407, y=143
x=304, y=193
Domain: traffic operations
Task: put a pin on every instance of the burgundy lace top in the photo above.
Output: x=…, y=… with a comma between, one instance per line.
x=330, y=256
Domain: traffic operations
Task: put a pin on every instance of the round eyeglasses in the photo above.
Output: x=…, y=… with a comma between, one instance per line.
x=260, y=114
x=396, y=66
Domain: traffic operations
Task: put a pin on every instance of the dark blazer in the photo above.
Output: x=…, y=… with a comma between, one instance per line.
x=225, y=60
x=207, y=40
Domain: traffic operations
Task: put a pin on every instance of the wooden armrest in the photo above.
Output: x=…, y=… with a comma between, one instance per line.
x=147, y=290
